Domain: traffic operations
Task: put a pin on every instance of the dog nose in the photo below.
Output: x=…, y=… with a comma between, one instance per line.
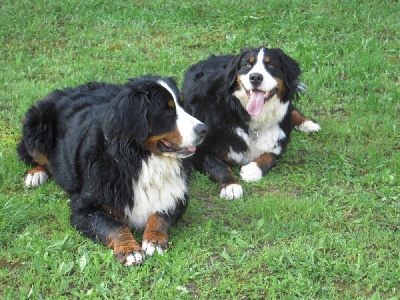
x=256, y=78
x=201, y=130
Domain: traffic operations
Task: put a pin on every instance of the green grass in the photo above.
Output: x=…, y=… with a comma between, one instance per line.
x=324, y=224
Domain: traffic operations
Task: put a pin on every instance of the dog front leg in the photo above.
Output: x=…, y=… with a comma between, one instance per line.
x=255, y=170
x=223, y=175
x=155, y=235
x=106, y=228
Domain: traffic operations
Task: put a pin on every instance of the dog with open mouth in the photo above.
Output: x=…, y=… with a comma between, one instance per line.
x=122, y=154
x=246, y=101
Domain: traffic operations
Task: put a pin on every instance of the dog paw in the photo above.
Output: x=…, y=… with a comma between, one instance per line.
x=250, y=172
x=129, y=254
x=308, y=127
x=150, y=247
x=35, y=179
x=232, y=191
x=134, y=259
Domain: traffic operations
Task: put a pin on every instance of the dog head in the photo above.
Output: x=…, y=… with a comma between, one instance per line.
x=147, y=112
x=258, y=75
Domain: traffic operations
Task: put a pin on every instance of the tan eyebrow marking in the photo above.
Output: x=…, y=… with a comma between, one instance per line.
x=171, y=103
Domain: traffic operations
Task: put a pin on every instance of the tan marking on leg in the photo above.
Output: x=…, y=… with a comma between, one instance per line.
x=298, y=118
x=42, y=160
x=265, y=162
x=123, y=243
x=224, y=178
x=35, y=177
x=36, y=170
x=156, y=231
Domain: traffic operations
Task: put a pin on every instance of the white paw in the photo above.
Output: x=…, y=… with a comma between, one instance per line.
x=250, y=172
x=149, y=248
x=135, y=258
x=232, y=191
x=308, y=127
x=36, y=179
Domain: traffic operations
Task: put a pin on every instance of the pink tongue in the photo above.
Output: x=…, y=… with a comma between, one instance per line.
x=192, y=148
x=256, y=104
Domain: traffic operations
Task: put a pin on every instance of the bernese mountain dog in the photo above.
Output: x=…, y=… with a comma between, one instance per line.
x=120, y=152
x=246, y=103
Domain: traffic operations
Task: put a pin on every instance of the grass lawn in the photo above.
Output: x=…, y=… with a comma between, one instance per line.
x=323, y=224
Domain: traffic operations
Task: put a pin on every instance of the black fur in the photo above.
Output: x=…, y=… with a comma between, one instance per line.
x=208, y=92
x=92, y=140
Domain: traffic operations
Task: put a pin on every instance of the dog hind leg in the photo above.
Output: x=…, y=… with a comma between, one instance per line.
x=303, y=123
x=38, y=142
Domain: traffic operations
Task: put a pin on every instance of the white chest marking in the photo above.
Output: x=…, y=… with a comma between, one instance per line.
x=159, y=186
x=266, y=125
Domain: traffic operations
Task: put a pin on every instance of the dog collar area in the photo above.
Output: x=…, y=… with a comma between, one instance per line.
x=254, y=133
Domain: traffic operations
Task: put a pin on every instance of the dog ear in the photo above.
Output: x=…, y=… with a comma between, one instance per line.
x=127, y=116
x=232, y=70
x=291, y=71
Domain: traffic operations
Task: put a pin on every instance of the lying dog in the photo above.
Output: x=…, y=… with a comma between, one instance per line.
x=246, y=103
x=119, y=152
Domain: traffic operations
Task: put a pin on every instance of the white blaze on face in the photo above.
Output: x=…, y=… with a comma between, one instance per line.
x=185, y=122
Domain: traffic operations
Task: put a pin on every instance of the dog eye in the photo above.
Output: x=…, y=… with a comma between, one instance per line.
x=247, y=65
x=271, y=66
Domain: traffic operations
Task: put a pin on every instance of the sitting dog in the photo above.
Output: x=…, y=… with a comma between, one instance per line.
x=246, y=103
x=119, y=152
